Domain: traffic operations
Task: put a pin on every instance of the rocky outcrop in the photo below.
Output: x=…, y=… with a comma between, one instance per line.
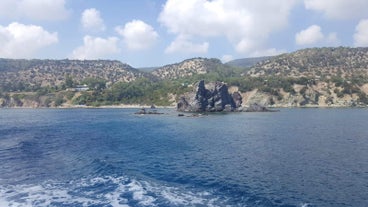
x=214, y=97
x=258, y=108
x=143, y=111
x=238, y=99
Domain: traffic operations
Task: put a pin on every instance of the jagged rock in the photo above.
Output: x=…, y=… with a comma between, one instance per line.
x=214, y=98
x=183, y=104
x=143, y=111
x=237, y=99
x=255, y=107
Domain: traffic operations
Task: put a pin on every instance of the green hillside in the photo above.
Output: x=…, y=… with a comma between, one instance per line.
x=316, y=77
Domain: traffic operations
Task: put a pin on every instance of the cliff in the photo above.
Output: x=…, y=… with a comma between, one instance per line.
x=213, y=97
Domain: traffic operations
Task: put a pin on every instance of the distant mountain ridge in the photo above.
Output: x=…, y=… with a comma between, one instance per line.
x=247, y=62
x=315, y=62
x=54, y=72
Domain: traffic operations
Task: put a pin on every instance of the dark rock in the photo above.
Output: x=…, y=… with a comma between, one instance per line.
x=141, y=111
x=258, y=108
x=237, y=99
x=214, y=98
x=144, y=111
x=201, y=98
x=183, y=104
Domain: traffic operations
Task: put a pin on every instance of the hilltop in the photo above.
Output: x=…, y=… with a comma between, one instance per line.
x=188, y=68
x=315, y=62
x=316, y=77
x=20, y=74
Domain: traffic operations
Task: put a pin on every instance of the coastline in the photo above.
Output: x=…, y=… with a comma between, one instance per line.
x=138, y=106
x=121, y=106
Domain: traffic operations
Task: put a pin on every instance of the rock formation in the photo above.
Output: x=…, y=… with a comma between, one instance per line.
x=258, y=108
x=214, y=98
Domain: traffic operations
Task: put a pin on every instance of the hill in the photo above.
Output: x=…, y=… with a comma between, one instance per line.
x=21, y=74
x=315, y=62
x=315, y=77
x=188, y=68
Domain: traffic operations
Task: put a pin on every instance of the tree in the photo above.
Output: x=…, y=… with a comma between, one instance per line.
x=69, y=83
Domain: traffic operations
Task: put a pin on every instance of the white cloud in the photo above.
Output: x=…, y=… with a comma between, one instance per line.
x=96, y=48
x=23, y=41
x=339, y=9
x=361, y=34
x=309, y=36
x=182, y=44
x=313, y=35
x=138, y=35
x=91, y=20
x=247, y=24
x=48, y=10
x=227, y=58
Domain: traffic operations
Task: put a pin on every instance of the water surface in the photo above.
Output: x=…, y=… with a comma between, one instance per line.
x=111, y=157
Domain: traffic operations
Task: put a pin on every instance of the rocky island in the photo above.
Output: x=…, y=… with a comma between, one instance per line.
x=215, y=97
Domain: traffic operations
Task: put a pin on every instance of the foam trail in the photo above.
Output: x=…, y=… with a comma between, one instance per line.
x=112, y=191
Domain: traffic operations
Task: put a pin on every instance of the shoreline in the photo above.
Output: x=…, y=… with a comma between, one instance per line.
x=137, y=106
x=122, y=106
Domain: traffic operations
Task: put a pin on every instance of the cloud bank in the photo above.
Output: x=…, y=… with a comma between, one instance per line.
x=361, y=34
x=137, y=35
x=246, y=24
x=24, y=41
x=44, y=10
x=313, y=35
x=96, y=48
x=339, y=9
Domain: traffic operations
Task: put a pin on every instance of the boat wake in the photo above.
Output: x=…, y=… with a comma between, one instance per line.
x=104, y=191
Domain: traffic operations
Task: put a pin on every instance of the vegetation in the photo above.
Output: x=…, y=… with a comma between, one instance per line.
x=52, y=83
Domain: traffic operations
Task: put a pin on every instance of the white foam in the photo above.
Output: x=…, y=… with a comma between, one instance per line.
x=304, y=205
x=4, y=202
x=120, y=191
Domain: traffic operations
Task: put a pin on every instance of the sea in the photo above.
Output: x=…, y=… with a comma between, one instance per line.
x=113, y=157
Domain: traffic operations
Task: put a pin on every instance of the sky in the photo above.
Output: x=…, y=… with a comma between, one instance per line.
x=147, y=33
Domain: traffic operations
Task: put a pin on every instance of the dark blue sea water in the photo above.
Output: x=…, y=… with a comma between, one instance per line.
x=111, y=157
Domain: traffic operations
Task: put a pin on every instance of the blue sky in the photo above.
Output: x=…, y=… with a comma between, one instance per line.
x=147, y=33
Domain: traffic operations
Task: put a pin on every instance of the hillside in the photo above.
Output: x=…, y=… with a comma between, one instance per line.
x=187, y=68
x=17, y=74
x=315, y=62
x=316, y=77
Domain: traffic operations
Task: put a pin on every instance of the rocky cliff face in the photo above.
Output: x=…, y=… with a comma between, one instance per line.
x=212, y=97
